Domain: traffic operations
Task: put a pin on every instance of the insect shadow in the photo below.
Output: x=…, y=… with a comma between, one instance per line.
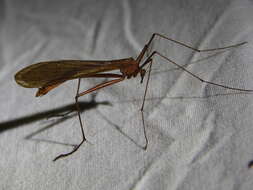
x=62, y=115
x=61, y=111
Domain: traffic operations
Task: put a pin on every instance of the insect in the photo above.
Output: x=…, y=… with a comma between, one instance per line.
x=50, y=74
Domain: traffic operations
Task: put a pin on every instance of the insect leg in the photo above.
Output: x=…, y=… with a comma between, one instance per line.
x=195, y=49
x=81, y=125
x=102, y=85
x=145, y=48
x=142, y=106
x=195, y=76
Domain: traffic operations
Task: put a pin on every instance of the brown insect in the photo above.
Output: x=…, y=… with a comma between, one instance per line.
x=50, y=74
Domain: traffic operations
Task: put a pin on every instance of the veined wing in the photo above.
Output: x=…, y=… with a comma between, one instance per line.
x=46, y=73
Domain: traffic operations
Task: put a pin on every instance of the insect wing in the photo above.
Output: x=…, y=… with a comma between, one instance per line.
x=46, y=73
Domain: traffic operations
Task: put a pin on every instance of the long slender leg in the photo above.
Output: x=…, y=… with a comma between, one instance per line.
x=195, y=76
x=191, y=63
x=144, y=50
x=81, y=125
x=149, y=60
x=102, y=85
x=195, y=49
x=142, y=106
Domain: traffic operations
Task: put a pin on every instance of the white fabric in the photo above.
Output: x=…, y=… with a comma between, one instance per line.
x=200, y=136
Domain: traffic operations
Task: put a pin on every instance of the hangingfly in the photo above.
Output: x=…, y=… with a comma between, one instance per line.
x=50, y=74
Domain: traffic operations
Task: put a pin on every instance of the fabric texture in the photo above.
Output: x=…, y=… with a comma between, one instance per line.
x=200, y=135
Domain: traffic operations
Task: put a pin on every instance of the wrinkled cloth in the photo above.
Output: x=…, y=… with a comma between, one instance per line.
x=199, y=135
